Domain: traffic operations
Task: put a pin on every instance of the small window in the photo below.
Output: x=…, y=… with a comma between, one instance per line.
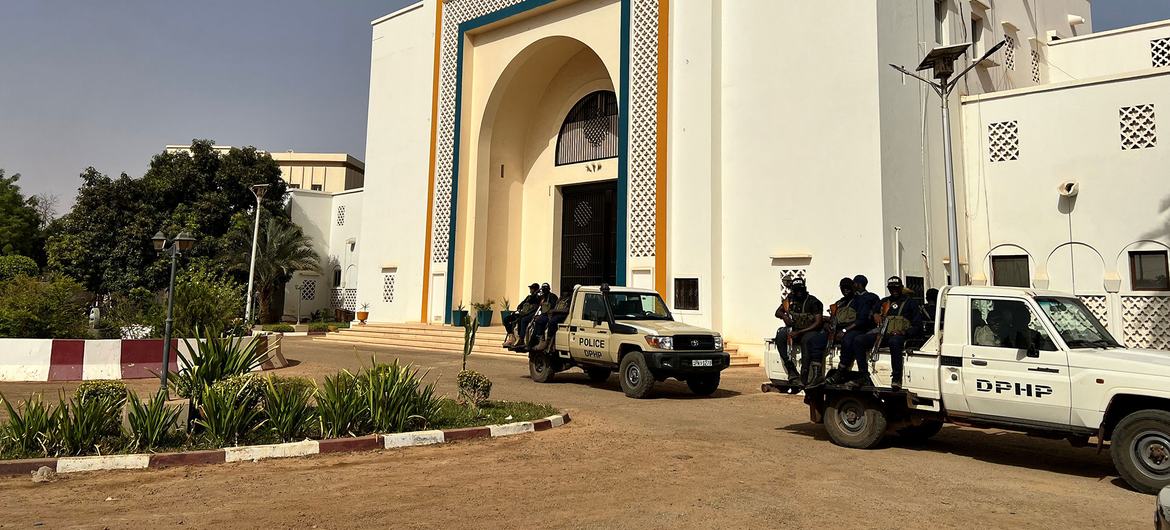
x=940, y=21
x=1010, y=271
x=316, y=187
x=1007, y=324
x=976, y=37
x=1149, y=271
x=686, y=294
x=590, y=131
x=336, y=278
x=294, y=186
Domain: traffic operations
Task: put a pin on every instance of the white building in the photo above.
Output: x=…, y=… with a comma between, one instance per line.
x=705, y=148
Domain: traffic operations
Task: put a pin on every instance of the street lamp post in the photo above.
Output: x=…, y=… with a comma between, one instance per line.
x=258, y=190
x=181, y=243
x=941, y=61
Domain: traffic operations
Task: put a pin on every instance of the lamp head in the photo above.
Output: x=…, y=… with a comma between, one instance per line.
x=941, y=60
x=185, y=241
x=260, y=189
x=159, y=240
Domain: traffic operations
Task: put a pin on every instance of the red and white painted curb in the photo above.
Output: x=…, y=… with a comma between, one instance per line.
x=39, y=360
x=253, y=453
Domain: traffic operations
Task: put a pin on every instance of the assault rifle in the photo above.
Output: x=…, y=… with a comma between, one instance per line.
x=877, y=344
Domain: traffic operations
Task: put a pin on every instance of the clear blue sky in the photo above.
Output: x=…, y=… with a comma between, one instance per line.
x=107, y=83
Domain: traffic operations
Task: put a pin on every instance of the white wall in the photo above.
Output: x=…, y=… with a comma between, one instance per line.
x=393, y=226
x=1068, y=132
x=335, y=237
x=1106, y=53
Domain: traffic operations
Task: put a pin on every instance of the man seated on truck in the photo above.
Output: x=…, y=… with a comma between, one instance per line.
x=900, y=319
x=520, y=318
x=992, y=334
x=545, y=302
x=544, y=328
x=803, y=316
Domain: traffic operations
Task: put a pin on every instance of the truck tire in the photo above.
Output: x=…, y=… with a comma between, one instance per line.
x=637, y=381
x=1141, y=450
x=540, y=368
x=922, y=432
x=855, y=421
x=703, y=385
x=598, y=375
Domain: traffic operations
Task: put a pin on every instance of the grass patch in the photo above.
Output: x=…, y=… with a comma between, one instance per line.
x=452, y=415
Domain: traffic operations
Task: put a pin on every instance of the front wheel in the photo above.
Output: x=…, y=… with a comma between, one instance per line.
x=1141, y=450
x=703, y=385
x=855, y=421
x=637, y=381
x=540, y=367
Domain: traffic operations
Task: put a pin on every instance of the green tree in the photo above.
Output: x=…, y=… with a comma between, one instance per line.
x=20, y=221
x=15, y=265
x=104, y=241
x=281, y=250
x=43, y=309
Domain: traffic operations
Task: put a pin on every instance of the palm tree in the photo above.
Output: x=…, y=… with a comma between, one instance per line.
x=281, y=250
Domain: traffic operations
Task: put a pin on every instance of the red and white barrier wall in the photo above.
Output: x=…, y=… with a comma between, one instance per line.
x=78, y=360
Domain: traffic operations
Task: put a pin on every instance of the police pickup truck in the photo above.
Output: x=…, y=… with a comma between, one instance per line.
x=1026, y=360
x=631, y=331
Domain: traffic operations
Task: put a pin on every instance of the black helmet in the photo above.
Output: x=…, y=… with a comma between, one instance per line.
x=894, y=281
x=534, y=286
x=798, y=284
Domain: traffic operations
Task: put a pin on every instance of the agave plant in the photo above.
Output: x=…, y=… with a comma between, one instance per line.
x=396, y=398
x=83, y=424
x=28, y=428
x=213, y=358
x=150, y=422
x=224, y=416
x=287, y=409
x=341, y=407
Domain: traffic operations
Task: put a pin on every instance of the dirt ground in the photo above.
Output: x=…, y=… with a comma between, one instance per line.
x=739, y=459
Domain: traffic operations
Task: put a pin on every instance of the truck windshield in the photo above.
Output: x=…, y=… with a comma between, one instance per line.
x=1076, y=324
x=638, y=306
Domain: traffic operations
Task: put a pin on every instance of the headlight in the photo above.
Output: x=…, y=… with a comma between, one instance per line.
x=718, y=343
x=662, y=343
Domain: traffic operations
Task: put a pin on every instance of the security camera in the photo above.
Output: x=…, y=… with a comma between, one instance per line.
x=1069, y=189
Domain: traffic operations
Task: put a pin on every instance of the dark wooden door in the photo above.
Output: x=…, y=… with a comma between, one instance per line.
x=588, y=235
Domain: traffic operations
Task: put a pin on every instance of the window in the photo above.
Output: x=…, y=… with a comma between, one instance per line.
x=940, y=21
x=1010, y=271
x=294, y=186
x=593, y=309
x=316, y=187
x=917, y=285
x=336, y=278
x=1007, y=324
x=686, y=294
x=1148, y=271
x=976, y=37
x=590, y=130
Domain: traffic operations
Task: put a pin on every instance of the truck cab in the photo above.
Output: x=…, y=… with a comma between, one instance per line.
x=631, y=331
x=1020, y=359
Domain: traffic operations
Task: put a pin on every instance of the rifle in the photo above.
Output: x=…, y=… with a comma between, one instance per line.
x=832, y=328
x=877, y=344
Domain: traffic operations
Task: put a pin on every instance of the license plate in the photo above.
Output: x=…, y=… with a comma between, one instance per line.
x=701, y=362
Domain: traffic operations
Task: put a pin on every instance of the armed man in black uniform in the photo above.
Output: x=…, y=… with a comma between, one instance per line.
x=803, y=316
x=547, y=301
x=900, y=319
x=520, y=318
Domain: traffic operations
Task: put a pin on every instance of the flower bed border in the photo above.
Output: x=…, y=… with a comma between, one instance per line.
x=373, y=442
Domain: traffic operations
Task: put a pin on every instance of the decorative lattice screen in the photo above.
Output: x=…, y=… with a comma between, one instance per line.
x=1003, y=141
x=643, y=169
x=343, y=299
x=1160, y=52
x=1146, y=321
x=308, y=290
x=1009, y=52
x=341, y=215
x=1138, y=127
x=789, y=274
x=388, y=286
x=1035, y=66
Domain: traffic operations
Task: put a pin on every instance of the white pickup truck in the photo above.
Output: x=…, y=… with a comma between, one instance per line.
x=1026, y=360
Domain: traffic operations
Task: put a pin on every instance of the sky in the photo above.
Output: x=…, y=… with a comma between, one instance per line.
x=108, y=83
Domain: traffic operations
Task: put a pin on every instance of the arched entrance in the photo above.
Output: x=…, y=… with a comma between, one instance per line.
x=547, y=134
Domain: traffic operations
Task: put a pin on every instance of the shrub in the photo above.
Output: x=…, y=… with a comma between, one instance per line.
x=16, y=265
x=83, y=424
x=53, y=308
x=474, y=387
x=320, y=327
x=28, y=428
x=287, y=409
x=224, y=416
x=114, y=391
x=214, y=359
x=341, y=407
x=205, y=299
x=278, y=328
x=395, y=397
x=137, y=314
x=151, y=422
x=249, y=387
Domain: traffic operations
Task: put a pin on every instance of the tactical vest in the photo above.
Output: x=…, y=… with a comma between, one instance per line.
x=846, y=315
x=800, y=318
x=895, y=322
